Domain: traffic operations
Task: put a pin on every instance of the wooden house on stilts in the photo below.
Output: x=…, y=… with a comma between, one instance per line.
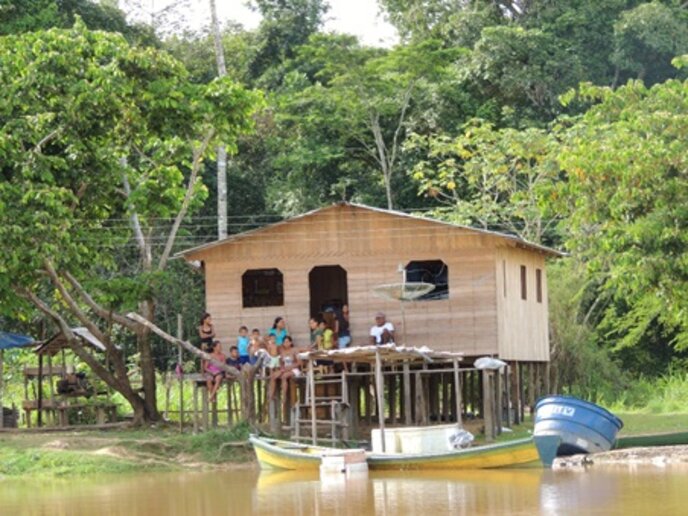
x=490, y=295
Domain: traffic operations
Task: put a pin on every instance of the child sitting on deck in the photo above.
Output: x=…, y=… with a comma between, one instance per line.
x=213, y=373
x=234, y=359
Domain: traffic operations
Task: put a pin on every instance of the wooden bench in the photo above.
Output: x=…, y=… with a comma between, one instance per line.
x=105, y=411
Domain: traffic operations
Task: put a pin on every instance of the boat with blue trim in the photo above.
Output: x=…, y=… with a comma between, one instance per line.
x=565, y=425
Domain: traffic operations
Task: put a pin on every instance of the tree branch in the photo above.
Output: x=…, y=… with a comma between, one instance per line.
x=101, y=312
x=144, y=248
x=178, y=342
x=72, y=304
x=197, y=160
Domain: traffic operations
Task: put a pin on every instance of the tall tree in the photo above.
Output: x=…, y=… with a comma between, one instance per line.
x=627, y=192
x=94, y=130
x=221, y=151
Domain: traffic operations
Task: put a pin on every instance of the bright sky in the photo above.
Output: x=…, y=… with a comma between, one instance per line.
x=358, y=17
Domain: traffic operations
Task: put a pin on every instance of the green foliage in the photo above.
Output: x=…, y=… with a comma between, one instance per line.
x=665, y=394
x=580, y=366
x=18, y=16
x=497, y=179
x=525, y=69
x=626, y=190
x=647, y=37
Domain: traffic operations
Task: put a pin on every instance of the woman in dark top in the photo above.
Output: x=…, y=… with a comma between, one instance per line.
x=207, y=332
x=343, y=331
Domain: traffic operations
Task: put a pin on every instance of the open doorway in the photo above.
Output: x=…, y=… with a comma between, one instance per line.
x=328, y=288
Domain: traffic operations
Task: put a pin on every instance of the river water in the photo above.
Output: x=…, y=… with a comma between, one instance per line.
x=610, y=491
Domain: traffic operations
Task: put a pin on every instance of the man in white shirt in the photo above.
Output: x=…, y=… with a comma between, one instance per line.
x=382, y=332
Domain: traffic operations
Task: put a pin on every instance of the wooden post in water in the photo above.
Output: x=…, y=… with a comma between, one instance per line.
x=407, y=395
x=457, y=391
x=488, y=411
x=380, y=397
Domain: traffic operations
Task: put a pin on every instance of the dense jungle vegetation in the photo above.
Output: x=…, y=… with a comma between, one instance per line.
x=562, y=121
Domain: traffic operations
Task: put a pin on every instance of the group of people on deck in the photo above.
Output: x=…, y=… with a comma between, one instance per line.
x=276, y=351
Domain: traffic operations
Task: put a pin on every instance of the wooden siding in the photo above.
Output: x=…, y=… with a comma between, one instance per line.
x=523, y=324
x=369, y=245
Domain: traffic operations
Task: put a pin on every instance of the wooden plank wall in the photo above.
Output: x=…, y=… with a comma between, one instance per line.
x=523, y=324
x=369, y=245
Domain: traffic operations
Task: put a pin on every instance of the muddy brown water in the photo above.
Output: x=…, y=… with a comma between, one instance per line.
x=611, y=490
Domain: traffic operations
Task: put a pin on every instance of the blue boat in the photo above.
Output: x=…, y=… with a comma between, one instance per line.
x=565, y=425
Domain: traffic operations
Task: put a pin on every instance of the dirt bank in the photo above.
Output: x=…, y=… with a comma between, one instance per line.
x=649, y=456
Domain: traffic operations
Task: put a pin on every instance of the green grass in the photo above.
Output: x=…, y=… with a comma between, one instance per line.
x=666, y=394
x=50, y=463
x=150, y=449
x=638, y=423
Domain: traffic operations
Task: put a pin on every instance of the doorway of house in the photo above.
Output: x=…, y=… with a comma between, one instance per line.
x=328, y=288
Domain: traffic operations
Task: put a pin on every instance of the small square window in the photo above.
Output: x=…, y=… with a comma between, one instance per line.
x=262, y=287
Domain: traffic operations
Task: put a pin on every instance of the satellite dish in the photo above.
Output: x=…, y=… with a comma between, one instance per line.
x=407, y=291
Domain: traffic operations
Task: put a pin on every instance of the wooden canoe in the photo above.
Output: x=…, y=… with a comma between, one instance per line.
x=658, y=439
x=275, y=454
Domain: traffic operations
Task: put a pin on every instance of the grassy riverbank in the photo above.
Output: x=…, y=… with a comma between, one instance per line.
x=120, y=451
x=62, y=454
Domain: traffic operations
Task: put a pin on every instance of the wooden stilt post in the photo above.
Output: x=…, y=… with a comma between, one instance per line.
x=230, y=408
x=445, y=397
x=507, y=396
x=380, y=397
x=407, y=395
x=51, y=390
x=180, y=362
x=392, y=394
x=311, y=388
x=488, y=410
x=195, y=407
x=547, y=378
x=421, y=409
x=204, y=409
x=522, y=391
x=497, y=377
x=367, y=400
x=516, y=391
x=457, y=391
x=39, y=404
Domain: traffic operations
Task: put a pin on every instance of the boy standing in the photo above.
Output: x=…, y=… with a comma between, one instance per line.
x=242, y=345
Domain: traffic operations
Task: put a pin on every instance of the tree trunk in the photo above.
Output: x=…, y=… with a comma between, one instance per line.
x=147, y=365
x=221, y=150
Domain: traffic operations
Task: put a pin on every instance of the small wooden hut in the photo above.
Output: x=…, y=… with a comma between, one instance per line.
x=490, y=295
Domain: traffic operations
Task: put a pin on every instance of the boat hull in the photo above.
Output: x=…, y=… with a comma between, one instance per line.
x=512, y=453
x=283, y=455
x=565, y=425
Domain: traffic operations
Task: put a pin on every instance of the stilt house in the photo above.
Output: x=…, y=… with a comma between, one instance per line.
x=490, y=295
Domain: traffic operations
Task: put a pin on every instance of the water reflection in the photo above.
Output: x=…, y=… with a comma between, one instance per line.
x=520, y=491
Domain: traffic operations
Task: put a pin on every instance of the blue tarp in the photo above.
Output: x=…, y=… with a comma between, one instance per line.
x=14, y=340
